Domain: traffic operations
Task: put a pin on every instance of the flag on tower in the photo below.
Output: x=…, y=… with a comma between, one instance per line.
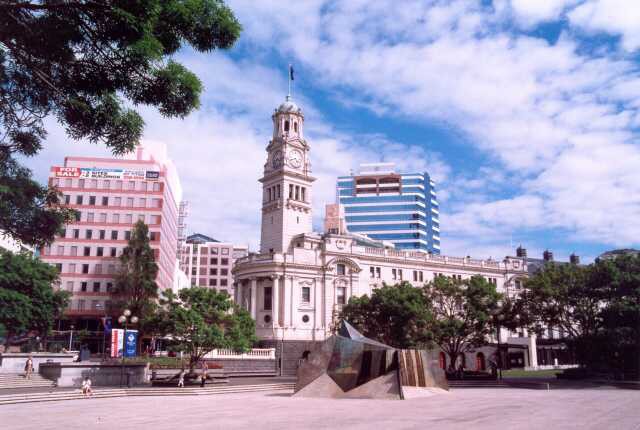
x=290, y=72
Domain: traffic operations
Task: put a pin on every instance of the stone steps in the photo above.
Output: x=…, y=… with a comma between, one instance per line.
x=477, y=384
x=17, y=380
x=139, y=392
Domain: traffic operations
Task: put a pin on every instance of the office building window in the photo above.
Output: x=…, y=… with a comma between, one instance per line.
x=306, y=294
x=72, y=268
x=224, y=272
x=59, y=267
x=378, y=272
x=213, y=261
x=213, y=282
x=268, y=297
x=92, y=200
x=100, y=251
x=96, y=287
x=224, y=251
x=67, y=199
x=117, y=201
x=87, y=251
x=127, y=235
x=78, y=215
x=128, y=219
x=70, y=286
x=400, y=274
x=224, y=261
x=80, y=305
x=90, y=217
x=102, y=234
x=341, y=295
x=83, y=286
x=115, y=218
x=372, y=272
x=85, y=268
x=112, y=252
x=105, y=201
x=394, y=274
x=223, y=282
x=88, y=234
x=60, y=250
x=109, y=287
x=132, y=185
x=94, y=183
x=98, y=269
x=79, y=199
x=129, y=202
x=106, y=184
x=114, y=234
x=213, y=272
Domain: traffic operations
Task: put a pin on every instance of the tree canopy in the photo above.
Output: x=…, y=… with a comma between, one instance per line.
x=88, y=63
x=201, y=319
x=398, y=315
x=135, y=282
x=28, y=301
x=464, y=313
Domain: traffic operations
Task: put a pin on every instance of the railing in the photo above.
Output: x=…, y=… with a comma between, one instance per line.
x=457, y=261
x=254, y=354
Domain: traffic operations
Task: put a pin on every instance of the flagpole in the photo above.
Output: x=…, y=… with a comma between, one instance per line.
x=289, y=78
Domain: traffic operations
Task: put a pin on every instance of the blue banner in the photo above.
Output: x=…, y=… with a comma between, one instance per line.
x=130, y=342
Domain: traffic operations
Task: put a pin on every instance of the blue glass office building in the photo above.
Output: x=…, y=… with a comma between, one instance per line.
x=397, y=207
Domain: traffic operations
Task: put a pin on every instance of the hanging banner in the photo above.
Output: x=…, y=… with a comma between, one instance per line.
x=130, y=343
x=117, y=342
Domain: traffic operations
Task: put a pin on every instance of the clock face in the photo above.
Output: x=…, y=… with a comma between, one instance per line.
x=276, y=160
x=295, y=158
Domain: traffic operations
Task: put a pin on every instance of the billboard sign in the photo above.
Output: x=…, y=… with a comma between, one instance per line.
x=130, y=342
x=67, y=172
x=117, y=342
x=105, y=173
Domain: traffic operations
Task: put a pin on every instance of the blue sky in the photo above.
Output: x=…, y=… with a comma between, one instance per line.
x=525, y=112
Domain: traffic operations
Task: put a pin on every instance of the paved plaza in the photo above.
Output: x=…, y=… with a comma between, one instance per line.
x=459, y=409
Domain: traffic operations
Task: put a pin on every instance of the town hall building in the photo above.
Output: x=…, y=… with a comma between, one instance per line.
x=297, y=284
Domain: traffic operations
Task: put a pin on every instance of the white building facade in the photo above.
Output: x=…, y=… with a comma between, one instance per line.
x=296, y=286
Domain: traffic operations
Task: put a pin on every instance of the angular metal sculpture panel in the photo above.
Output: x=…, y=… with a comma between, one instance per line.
x=351, y=365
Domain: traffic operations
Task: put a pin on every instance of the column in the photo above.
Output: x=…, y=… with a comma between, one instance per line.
x=239, y=286
x=276, y=301
x=286, y=312
x=533, y=351
x=254, y=298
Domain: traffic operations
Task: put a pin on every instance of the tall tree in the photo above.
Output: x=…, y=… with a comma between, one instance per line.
x=136, y=287
x=463, y=313
x=201, y=319
x=398, y=315
x=84, y=62
x=28, y=301
x=566, y=297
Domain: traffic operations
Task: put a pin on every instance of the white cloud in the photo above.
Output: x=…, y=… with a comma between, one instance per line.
x=529, y=105
x=616, y=17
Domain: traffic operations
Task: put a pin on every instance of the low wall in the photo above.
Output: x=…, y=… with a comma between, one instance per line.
x=247, y=366
x=13, y=362
x=102, y=375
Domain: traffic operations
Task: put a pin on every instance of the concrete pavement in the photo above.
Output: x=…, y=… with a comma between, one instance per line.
x=600, y=408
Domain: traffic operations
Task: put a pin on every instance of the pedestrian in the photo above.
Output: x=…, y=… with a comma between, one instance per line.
x=181, y=379
x=86, y=387
x=28, y=367
x=203, y=377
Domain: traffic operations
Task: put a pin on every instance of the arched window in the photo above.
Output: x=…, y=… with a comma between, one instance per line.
x=295, y=126
x=286, y=126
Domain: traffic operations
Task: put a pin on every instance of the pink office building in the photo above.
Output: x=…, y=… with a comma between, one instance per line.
x=111, y=195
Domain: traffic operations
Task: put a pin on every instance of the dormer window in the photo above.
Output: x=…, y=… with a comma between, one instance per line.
x=286, y=126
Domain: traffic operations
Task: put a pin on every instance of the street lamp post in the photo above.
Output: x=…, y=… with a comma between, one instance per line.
x=124, y=319
x=71, y=336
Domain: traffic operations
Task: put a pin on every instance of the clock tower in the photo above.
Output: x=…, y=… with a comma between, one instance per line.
x=287, y=181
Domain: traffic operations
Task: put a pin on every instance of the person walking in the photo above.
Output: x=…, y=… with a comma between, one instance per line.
x=28, y=367
x=181, y=379
x=86, y=387
x=203, y=377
